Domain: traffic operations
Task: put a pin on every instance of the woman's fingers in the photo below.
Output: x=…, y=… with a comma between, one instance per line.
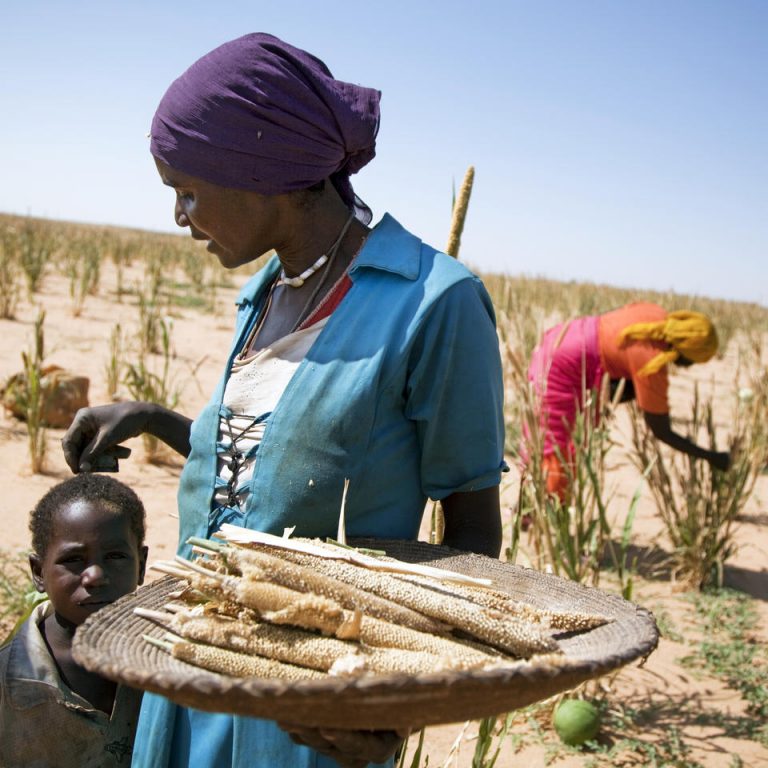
x=107, y=461
x=351, y=749
x=370, y=746
x=76, y=438
x=721, y=460
x=102, y=444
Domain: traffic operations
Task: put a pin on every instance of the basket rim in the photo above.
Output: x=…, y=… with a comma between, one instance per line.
x=95, y=643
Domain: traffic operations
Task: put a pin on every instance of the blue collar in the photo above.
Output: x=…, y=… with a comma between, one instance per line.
x=391, y=248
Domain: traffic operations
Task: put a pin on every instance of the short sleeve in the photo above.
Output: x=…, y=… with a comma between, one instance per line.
x=651, y=392
x=454, y=393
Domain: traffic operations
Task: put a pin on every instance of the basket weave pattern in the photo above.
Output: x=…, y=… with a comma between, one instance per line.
x=110, y=644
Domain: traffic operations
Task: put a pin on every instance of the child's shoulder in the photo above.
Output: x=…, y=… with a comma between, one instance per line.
x=5, y=653
x=26, y=641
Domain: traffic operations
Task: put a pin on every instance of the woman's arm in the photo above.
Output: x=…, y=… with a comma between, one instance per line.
x=473, y=521
x=455, y=396
x=661, y=427
x=98, y=431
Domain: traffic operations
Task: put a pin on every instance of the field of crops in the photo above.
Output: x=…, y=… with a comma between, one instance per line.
x=149, y=316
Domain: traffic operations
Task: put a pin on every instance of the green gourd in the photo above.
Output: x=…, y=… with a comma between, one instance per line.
x=576, y=721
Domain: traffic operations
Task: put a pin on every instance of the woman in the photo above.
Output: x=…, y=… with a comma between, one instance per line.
x=634, y=343
x=358, y=354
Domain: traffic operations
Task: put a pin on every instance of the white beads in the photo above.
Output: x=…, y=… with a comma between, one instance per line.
x=298, y=281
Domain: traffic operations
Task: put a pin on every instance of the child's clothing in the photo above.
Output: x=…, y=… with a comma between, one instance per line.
x=43, y=723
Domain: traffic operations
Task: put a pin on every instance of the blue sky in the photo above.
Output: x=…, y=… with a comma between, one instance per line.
x=619, y=142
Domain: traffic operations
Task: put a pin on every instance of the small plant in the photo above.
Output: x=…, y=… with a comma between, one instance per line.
x=415, y=761
x=194, y=268
x=160, y=260
x=567, y=534
x=81, y=262
x=144, y=384
x=671, y=751
x=18, y=595
x=728, y=651
x=121, y=251
x=150, y=315
x=36, y=244
x=519, y=327
x=31, y=397
x=620, y=553
x=699, y=505
x=9, y=273
x=113, y=367
x=666, y=627
x=490, y=730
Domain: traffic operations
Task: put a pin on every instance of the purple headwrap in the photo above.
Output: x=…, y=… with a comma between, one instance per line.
x=259, y=114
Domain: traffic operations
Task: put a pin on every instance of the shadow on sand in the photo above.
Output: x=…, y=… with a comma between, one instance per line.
x=655, y=564
x=685, y=714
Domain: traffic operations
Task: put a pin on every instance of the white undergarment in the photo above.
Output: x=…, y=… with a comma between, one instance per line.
x=254, y=387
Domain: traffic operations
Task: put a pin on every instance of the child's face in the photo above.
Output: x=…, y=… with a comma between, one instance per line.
x=93, y=558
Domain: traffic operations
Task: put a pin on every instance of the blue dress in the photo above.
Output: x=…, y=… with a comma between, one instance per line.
x=401, y=393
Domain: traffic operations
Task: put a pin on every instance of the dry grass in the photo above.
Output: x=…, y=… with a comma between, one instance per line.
x=698, y=504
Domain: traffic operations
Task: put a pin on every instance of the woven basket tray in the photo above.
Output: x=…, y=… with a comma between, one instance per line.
x=110, y=643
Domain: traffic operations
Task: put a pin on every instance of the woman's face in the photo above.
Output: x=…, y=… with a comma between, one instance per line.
x=92, y=559
x=239, y=225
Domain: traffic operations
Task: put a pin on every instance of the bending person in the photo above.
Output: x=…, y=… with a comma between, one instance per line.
x=635, y=343
x=358, y=353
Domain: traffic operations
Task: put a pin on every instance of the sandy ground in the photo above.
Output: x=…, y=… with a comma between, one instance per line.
x=200, y=342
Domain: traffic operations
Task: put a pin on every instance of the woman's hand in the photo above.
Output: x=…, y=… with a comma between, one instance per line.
x=350, y=749
x=96, y=432
x=719, y=460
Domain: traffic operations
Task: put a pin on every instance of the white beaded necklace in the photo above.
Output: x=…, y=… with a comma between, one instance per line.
x=298, y=281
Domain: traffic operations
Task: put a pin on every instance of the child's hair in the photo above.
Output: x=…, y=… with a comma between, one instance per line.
x=91, y=487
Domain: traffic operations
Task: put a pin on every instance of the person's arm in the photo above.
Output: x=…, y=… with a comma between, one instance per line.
x=455, y=397
x=98, y=431
x=661, y=427
x=473, y=521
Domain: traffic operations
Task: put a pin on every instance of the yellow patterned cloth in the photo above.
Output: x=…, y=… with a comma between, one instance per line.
x=690, y=334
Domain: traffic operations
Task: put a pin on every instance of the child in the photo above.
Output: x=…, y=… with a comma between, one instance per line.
x=88, y=541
